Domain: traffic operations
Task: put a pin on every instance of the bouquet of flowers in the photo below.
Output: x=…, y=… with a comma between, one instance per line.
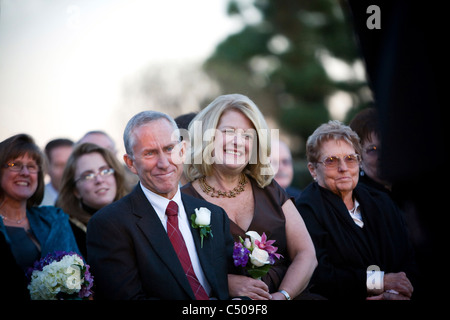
x=256, y=255
x=60, y=275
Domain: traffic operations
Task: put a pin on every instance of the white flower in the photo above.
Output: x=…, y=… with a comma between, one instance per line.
x=253, y=236
x=247, y=243
x=73, y=281
x=203, y=216
x=58, y=276
x=259, y=257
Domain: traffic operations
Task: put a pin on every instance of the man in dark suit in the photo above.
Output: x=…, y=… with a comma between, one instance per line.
x=130, y=242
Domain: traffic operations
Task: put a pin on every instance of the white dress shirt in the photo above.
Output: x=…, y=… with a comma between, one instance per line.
x=160, y=204
x=355, y=213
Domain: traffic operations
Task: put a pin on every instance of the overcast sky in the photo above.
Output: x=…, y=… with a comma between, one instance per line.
x=63, y=63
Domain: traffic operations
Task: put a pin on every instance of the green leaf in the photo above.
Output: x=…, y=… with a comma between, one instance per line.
x=258, y=272
x=193, y=216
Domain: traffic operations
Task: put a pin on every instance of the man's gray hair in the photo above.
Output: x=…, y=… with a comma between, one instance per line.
x=141, y=119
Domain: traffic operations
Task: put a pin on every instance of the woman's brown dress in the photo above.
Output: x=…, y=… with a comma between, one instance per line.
x=268, y=217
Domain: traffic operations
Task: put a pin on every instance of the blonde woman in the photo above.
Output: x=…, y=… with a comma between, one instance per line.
x=229, y=166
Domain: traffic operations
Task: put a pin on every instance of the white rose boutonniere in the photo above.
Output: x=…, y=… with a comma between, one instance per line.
x=201, y=220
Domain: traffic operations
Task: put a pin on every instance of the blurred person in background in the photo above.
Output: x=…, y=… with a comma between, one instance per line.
x=57, y=152
x=100, y=138
x=365, y=124
x=281, y=161
x=183, y=122
x=93, y=178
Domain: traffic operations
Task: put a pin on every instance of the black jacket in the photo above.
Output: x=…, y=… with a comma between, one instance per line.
x=344, y=250
x=132, y=257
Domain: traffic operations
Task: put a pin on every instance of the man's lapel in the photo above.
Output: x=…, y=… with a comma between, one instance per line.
x=148, y=222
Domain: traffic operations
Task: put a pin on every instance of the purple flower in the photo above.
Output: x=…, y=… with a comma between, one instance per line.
x=87, y=285
x=240, y=254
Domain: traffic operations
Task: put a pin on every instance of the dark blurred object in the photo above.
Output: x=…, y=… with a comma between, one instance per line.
x=404, y=62
x=14, y=282
x=185, y=119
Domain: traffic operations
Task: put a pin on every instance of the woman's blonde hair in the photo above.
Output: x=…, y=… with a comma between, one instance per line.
x=202, y=139
x=67, y=199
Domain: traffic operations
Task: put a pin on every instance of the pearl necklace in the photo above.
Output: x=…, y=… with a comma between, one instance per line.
x=206, y=188
x=16, y=221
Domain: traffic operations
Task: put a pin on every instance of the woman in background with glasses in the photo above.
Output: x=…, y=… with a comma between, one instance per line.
x=359, y=234
x=92, y=179
x=31, y=232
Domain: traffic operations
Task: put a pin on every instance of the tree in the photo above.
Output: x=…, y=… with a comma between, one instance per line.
x=278, y=59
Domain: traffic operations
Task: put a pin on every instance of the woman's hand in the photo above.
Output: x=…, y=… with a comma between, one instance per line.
x=245, y=286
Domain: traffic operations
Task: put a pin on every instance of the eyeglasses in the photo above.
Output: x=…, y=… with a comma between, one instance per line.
x=351, y=161
x=91, y=176
x=18, y=166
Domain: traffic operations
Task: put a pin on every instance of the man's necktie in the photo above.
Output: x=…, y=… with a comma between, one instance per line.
x=179, y=245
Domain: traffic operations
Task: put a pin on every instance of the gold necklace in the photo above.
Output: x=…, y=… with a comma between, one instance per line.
x=206, y=188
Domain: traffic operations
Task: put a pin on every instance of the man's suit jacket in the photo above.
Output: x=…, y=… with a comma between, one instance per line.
x=131, y=256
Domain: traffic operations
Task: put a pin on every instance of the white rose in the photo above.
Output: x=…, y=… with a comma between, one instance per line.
x=259, y=257
x=202, y=216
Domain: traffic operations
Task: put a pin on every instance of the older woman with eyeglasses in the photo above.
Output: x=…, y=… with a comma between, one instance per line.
x=92, y=179
x=31, y=232
x=359, y=234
